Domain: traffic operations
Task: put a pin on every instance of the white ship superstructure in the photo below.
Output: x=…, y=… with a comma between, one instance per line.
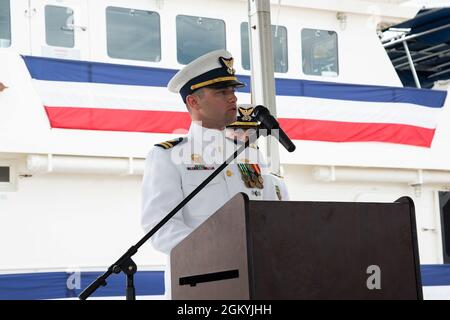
x=86, y=99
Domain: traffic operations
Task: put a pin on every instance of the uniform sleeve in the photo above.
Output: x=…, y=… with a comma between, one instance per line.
x=284, y=190
x=161, y=192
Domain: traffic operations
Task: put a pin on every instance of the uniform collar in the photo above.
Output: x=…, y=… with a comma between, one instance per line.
x=212, y=146
x=199, y=133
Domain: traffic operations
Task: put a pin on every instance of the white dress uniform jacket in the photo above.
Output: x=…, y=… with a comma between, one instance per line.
x=173, y=173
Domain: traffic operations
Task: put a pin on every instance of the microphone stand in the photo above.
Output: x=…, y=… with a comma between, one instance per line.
x=125, y=264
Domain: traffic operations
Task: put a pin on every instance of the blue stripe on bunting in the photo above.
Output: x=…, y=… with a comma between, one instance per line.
x=60, y=285
x=82, y=71
x=54, y=285
x=435, y=274
x=96, y=72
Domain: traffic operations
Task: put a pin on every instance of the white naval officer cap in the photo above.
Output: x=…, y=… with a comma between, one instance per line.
x=212, y=70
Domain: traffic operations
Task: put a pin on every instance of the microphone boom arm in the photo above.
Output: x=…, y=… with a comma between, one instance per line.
x=125, y=263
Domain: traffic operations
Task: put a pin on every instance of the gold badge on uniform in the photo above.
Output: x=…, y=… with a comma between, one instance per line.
x=198, y=163
x=196, y=158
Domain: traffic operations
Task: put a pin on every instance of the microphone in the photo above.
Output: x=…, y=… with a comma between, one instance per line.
x=262, y=114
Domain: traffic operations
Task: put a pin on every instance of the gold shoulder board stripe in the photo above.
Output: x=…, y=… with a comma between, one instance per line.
x=169, y=144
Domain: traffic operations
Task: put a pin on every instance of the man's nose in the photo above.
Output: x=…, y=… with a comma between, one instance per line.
x=232, y=97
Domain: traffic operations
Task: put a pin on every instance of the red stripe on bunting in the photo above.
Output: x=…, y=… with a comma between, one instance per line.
x=337, y=131
x=117, y=119
x=296, y=129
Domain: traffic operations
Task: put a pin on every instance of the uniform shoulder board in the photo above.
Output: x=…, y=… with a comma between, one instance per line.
x=170, y=143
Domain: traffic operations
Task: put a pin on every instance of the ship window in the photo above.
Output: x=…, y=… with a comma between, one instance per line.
x=59, y=26
x=4, y=174
x=320, y=52
x=133, y=34
x=279, y=48
x=197, y=36
x=5, y=24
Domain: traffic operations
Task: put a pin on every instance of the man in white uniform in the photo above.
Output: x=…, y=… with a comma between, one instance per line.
x=175, y=168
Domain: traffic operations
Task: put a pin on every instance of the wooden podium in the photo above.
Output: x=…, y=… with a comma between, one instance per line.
x=300, y=250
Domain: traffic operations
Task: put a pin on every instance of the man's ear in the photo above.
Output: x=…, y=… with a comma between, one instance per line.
x=192, y=102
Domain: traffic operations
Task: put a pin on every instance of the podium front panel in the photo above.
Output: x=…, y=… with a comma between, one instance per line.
x=332, y=250
x=215, y=254
x=300, y=250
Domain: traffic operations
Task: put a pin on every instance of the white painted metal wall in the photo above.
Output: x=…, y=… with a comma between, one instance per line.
x=60, y=221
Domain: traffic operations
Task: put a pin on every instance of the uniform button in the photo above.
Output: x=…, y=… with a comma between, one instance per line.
x=229, y=173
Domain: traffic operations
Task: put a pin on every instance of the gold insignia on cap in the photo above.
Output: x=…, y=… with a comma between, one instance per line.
x=228, y=63
x=246, y=114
